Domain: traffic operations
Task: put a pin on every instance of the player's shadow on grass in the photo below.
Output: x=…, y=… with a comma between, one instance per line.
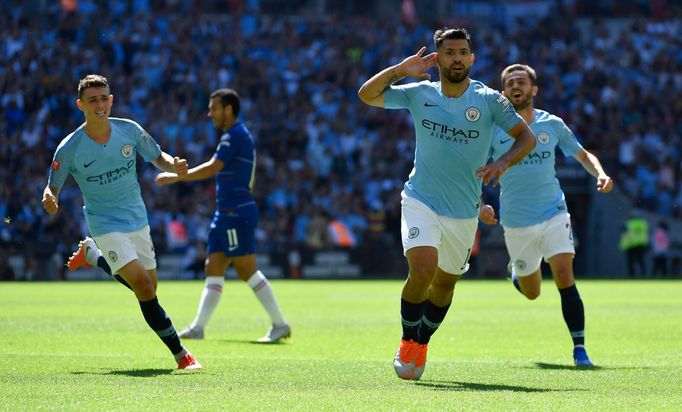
x=136, y=373
x=252, y=342
x=557, y=366
x=484, y=387
x=541, y=365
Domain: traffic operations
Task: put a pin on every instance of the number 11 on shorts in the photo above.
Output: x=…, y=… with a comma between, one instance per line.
x=232, y=241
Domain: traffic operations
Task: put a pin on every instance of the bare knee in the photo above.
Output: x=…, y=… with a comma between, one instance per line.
x=562, y=270
x=144, y=288
x=442, y=288
x=422, y=273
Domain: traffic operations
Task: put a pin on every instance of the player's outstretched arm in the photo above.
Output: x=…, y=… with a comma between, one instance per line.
x=168, y=163
x=50, y=202
x=372, y=92
x=593, y=166
x=205, y=170
x=524, y=142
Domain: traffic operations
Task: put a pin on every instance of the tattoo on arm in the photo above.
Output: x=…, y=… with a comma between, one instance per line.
x=390, y=81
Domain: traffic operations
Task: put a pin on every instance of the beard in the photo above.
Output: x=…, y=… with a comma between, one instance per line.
x=455, y=77
x=526, y=100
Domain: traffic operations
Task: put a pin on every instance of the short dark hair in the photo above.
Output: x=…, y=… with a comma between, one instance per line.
x=228, y=97
x=91, y=80
x=450, y=34
x=520, y=68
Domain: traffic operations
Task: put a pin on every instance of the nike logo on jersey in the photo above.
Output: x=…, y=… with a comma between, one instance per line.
x=504, y=141
x=86, y=165
x=427, y=104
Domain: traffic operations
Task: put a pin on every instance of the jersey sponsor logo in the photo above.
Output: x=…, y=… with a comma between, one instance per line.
x=451, y=134
x=473, y=114
x=427, y=104
x=543, y=137
x=55, y=165
x=113, y=175
x=86, y=165
x=413, y=233
x=535, y=158
x=145, y=135
x=504, y=102
x=127, y=150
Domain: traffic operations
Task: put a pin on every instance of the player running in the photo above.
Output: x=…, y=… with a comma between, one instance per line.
x=453, y=120
x=101, y=155
x=533, y=209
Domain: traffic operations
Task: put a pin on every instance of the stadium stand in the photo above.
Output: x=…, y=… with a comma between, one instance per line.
x=613, y=72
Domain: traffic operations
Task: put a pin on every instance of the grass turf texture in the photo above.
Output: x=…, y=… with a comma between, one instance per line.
x=85, y=346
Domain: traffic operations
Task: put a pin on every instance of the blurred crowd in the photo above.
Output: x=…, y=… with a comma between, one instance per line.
x=329, y=169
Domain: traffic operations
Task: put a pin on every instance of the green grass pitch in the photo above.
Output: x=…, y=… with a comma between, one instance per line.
x=84, y=346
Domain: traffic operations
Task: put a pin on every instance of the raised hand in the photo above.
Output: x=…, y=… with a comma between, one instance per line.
x=416, y=65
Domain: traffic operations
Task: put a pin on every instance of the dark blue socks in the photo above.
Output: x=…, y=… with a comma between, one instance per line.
x=411, y=316
x=574, y=313
x=433, y=317
x=158, y=320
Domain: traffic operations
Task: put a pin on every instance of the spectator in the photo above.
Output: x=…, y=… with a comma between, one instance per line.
x=634, y=242
x=660, y=249
x=310, y=128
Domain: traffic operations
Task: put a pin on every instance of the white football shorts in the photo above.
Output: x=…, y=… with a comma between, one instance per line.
x=119, y=249
x=453, y=238
x=528, y=245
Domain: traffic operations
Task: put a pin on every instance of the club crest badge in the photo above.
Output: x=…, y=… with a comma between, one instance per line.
x=543, y=137
x=127, y=150
x=472, y=114
x=413, y=233
x=520, y=264
x=113, y=256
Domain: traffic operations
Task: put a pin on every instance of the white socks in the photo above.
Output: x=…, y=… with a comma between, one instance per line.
x=261, y=287
x=92, y=252
x=213, y=289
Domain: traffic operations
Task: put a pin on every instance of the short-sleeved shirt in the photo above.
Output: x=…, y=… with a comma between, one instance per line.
x=235, y=181
x=453, y=138
x=529, y=191
x=234, y=223
x=106, y=175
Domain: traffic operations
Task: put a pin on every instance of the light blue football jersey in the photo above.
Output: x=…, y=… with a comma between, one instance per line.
x=529, y=191
x=453, y=139
x=106, y=175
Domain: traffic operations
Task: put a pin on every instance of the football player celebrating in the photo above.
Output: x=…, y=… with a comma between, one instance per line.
x=533, y=209
x=453, y=120
x=101, y=155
